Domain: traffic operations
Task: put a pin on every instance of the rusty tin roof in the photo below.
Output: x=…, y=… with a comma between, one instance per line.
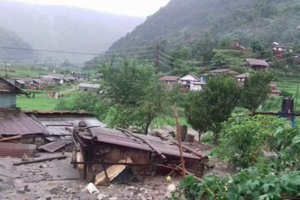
x=116, y=137
x=18, y=123
x=63, y=123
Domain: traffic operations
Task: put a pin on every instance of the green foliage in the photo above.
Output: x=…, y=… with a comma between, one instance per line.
x=270, y=145
x=136, y=94
x=207, y=110
x=246, y=20
x=255, y=91
x=286, y=143
x=86, y=101
x=248, y=184
x=243, y=138
x=219, y=60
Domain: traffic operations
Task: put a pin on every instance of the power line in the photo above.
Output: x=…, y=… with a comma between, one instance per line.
x=136, y=47
x=71, y=52
x=170, y=57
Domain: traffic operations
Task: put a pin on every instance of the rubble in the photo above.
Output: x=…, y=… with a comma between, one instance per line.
x=101, y=156
x=97, y=148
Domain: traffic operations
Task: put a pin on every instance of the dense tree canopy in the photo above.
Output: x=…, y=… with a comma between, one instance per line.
x=135, y=92
x=256, y=90
x=207, y=110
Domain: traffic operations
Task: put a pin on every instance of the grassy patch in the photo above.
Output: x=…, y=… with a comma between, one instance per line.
x=24, y=72
x=41, y=101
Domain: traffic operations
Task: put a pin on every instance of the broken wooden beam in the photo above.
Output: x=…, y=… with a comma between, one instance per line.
x=5, y=139
x=40, y=160
x=183, y=146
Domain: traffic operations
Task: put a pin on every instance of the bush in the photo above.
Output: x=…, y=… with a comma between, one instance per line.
x=242, y=140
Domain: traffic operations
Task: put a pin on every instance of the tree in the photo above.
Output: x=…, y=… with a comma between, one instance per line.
x=256, y=90
x=207, y=110
x=79, y=102
x=135, y=92
x=259, y=50
x=219, y=60
x=243, y=137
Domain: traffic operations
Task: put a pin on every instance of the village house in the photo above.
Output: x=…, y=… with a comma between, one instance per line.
x=278, y=50
x=88, y=87
x=257, y=64
x=169, y=80
x=8, y=93
x=237, y=46
x=275, y=92
x=20, y=83
x=241, y=78
x=191, y=83
x=225, y=72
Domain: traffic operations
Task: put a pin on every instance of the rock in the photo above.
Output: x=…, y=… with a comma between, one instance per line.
x=113, y=198
x=26, y=188
x=101, y=196
x=91, y=188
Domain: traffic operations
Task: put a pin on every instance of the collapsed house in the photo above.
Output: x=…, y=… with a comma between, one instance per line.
x=100, y=153
x=98, y=149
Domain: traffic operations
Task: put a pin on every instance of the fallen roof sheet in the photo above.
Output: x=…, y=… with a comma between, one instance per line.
x=116, y=137
x=63, y=126
x=16, y=149
x=56, y=145
x=17, y=123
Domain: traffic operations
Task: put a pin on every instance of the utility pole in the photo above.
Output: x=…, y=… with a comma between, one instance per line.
x=157, y=58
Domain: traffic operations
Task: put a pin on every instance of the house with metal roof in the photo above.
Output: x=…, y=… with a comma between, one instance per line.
x=257, y=64
x=88, y=87
x=8, y=93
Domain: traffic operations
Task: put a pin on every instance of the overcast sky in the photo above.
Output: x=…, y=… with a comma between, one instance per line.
x=123, y=7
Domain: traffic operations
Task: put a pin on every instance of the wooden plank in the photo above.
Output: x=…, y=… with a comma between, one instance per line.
x=56, y=145
x=10, y=138
x=40, y=160
x=112, y=172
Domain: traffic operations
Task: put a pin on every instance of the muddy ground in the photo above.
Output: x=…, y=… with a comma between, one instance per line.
x=58, y=180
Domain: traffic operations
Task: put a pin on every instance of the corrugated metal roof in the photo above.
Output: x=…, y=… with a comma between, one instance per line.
x=6, y=86
x=17, y=123
x=56, y=145
x=254, y=62
x=61, y=125
x=116, y=137
x=169, y=78
x=88, y=85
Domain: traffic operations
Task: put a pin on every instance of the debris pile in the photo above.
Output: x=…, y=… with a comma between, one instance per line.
x=30, y=142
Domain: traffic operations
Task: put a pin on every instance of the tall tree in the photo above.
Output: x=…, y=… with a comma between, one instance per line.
x=207, y=110
x=256, y=90
x=135, y=92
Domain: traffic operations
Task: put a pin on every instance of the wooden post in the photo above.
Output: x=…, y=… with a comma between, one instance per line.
x=179, y=142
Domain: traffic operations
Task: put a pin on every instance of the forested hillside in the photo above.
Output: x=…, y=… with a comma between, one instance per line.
x=186, y=21
x=11, y=39
x=64, y=28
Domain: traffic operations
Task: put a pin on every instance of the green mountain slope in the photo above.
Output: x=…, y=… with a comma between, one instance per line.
x=186, y=21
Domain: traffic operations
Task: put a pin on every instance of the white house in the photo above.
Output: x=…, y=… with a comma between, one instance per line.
x=191, y=83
